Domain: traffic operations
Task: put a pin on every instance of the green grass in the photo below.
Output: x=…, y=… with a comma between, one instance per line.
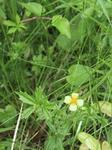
x=39, y=66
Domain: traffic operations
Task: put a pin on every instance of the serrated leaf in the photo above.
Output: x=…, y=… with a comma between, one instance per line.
x=78, y=74
x=27, y=112
x=106, y=108
x=33, y=7
x=89, y=140
x=25, y=98
x=62, y=24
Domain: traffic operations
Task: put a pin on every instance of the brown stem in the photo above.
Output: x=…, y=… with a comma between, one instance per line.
x=35, y=18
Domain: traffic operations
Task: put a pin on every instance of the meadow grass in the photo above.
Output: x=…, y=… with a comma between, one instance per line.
x=40, y=66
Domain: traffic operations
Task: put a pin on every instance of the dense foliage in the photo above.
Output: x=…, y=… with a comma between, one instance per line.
x=49, y=52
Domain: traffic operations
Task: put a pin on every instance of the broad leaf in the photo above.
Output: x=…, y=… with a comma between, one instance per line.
x=106, y=146
x=79, y=74
x=83, y=147
x=106, y=108
x=63, y=42
x=33, y=7
x=62, y=24
x=89, y=140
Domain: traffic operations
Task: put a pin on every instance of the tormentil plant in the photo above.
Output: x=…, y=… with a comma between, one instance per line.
x=73, y=101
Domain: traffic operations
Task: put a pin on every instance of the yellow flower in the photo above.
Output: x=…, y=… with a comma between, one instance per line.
x=73, y=101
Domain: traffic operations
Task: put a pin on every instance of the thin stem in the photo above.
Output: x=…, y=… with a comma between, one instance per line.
x=16, y=129
x=35, y=18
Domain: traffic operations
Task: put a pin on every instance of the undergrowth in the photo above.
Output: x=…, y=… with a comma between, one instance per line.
x=52, y=55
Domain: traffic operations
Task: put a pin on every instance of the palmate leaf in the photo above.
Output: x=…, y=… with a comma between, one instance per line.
x=62, y=24
x=33, y=7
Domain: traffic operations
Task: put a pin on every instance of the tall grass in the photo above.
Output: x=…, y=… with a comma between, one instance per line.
x=35, y=62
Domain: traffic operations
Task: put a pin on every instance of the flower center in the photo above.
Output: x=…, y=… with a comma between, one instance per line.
x=73, y=100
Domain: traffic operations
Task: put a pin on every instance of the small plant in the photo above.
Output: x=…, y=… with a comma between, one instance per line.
x=16, y=26
x=73, y=101
x=55, y=75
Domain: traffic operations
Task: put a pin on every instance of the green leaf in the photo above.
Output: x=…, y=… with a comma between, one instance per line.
x=63, y=42
x=8, y=115
x=102, y=4
x=106, y=108
x=9, y=23
x=25, y=98
x=2, y=14
x=79, y=74
x=54, y=143
x=22, y=26
x=89, y=140
x=27, y=112
x=62, y=24
x=33, y=7
x=88, y=12
x=39, y=96
x=110, y=75
x=5, y=144
x=18, y=19
x=12, y=30
x=38, y=62
x=6, y=129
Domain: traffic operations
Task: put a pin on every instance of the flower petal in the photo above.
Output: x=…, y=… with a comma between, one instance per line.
x=73, y=107
x=67, y=99
x=80, y=102
x=75, y=94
